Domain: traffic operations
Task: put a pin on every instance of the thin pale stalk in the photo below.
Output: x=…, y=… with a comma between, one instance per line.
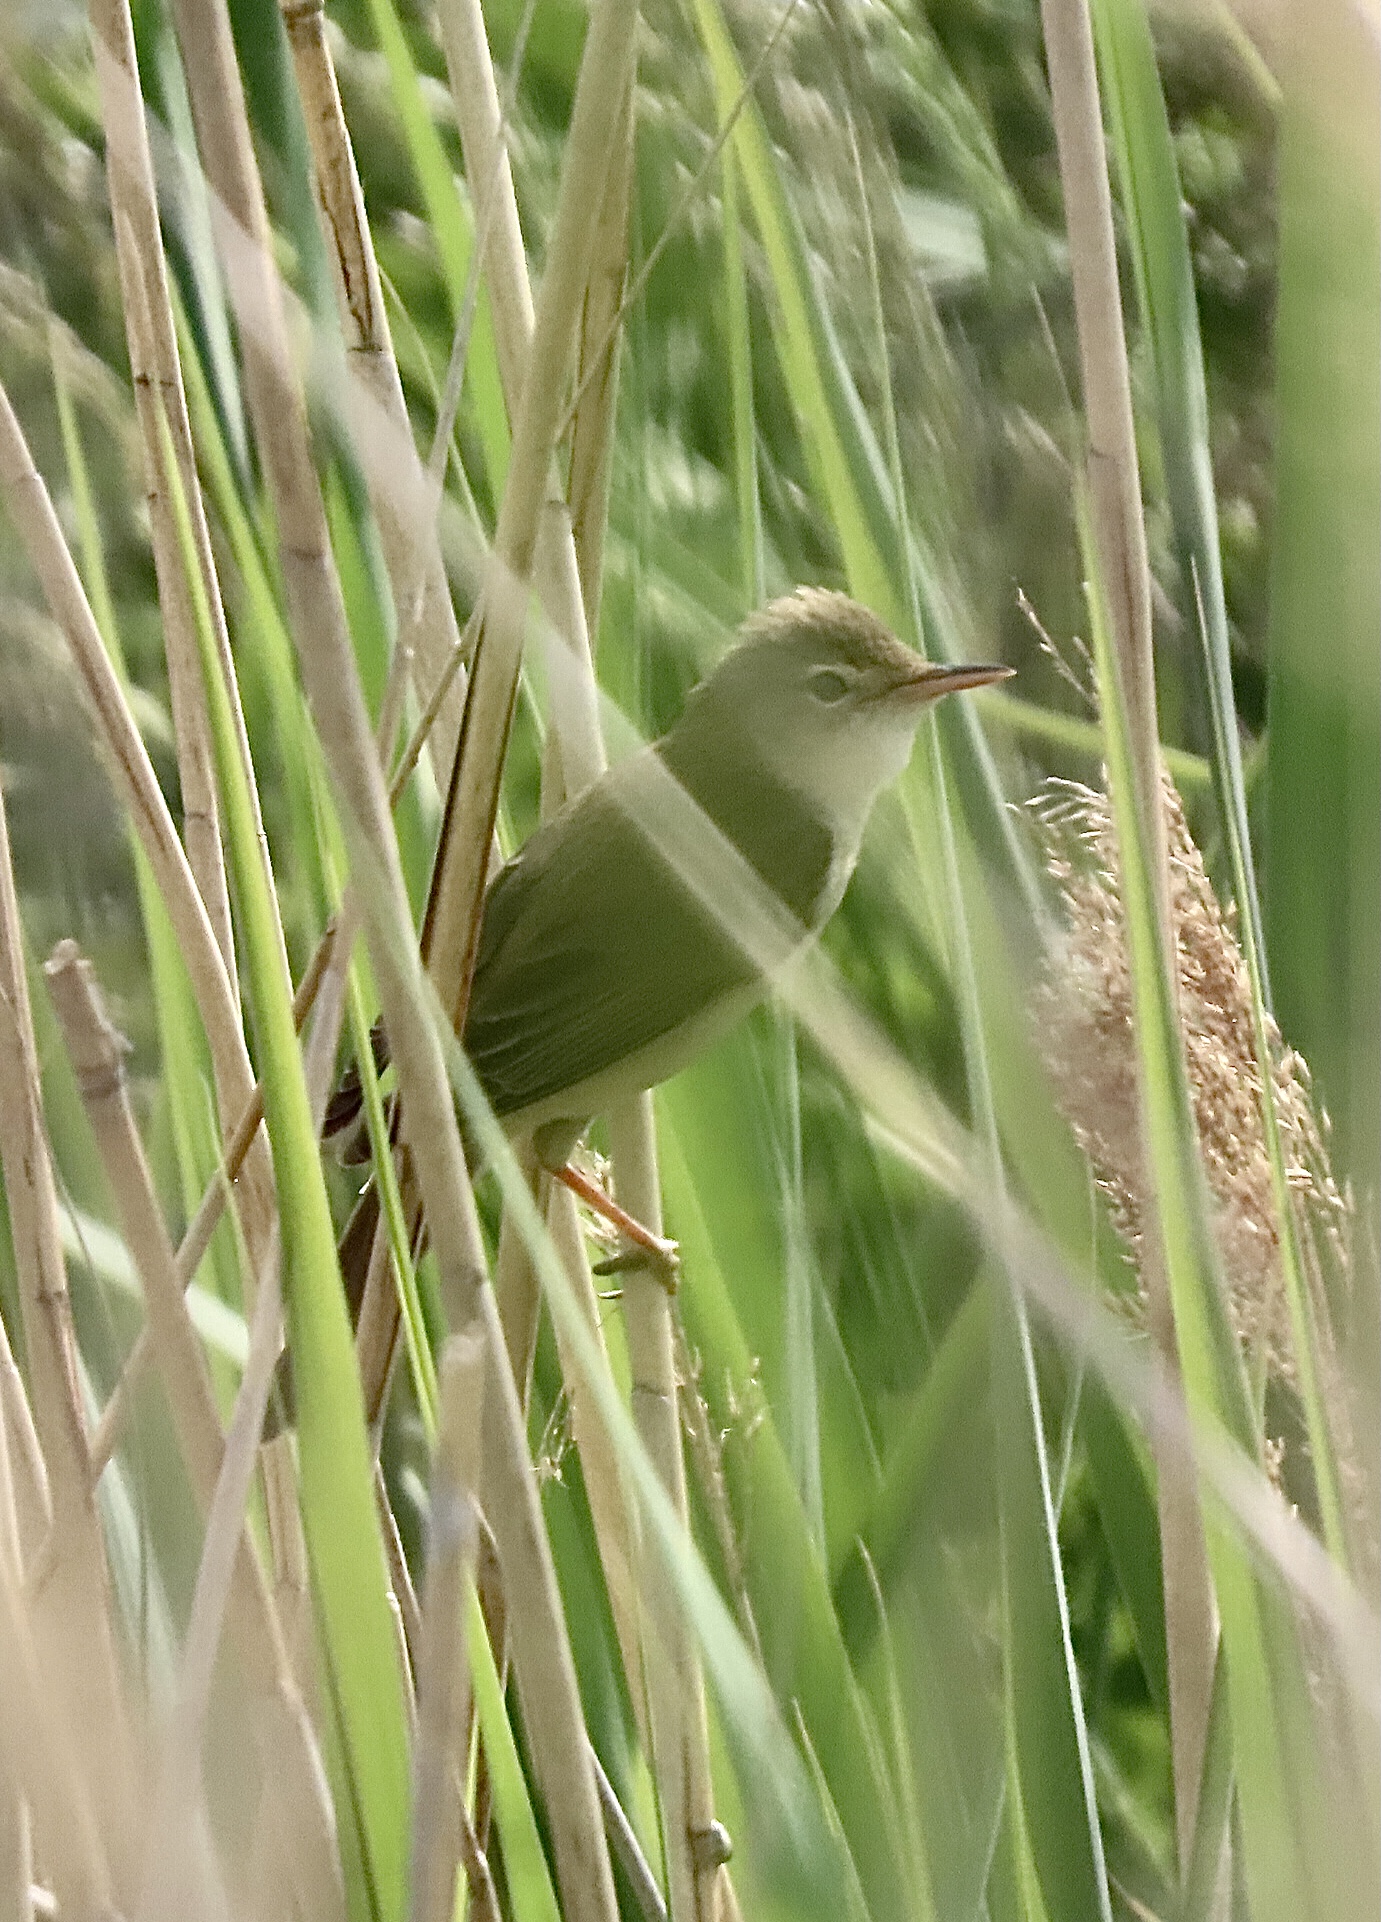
x=571, y=600
x=597, y=369
x=496, y=200
x=152, y=339
x=72, y=1626
x=1114, y=480
x=675, y=1687
x=480, y=119
x=106, y=1437
x=443, y=1682
x=400, y=1575
x=599, y=1463
x=31, y=509
x=601, y=345
x=39, y=1777
x=454, y=909
x=97, y=1053
x=1119, y=538
x=16, y=1831
x=627, y=1848
x=675, y=1697
x=28, y=1478
x=427, y=630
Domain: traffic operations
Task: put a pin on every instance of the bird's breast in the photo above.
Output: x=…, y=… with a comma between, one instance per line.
x=607, y=957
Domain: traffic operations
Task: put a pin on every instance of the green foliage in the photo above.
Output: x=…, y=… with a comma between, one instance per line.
x=927, y=1574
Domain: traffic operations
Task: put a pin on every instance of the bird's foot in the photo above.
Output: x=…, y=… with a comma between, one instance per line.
x=645, y=1249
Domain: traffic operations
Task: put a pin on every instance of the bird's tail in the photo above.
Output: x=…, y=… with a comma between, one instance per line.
x=353, y=1249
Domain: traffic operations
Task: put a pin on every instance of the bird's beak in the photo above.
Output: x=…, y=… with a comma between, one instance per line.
x=931, y=679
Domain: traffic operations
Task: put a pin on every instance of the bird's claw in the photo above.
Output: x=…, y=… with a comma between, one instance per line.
x=642, y=1247
x=663, y=1261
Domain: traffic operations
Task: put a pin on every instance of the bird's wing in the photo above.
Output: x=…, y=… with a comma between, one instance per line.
x=591, y=950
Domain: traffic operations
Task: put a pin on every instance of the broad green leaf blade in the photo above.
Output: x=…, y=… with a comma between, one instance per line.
x=1274, y=1736
x=1323, y=780
x=1160, y=251
x=1047, y=1740
x=803, y=1650
x=1047, y=1732
x=349, y=1576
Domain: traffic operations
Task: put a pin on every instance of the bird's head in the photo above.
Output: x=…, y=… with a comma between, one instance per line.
x=827, y=698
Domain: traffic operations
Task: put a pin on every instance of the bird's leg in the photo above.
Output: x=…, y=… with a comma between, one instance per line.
x=663, y=1254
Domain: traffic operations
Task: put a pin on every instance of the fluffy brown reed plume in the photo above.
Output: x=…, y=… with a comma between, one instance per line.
x=1084, y=1020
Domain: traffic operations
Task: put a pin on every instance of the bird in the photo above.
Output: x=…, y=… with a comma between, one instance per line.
x=603, y=967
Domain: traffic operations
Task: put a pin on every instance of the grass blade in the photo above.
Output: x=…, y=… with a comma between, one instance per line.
x=344, y=1545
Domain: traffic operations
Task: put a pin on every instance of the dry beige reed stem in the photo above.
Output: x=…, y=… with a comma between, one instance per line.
x=597, y=366
x=50, y=1806
x=609, y=1504
x=443, y=1678
x=595, y=355
x=569, y=580
x=542, y=1653
x=427, y=630
x=1124, y=582
x=1113, y=472
x=28, y=1478
x=31, y=510
x=74, y=1641
x=454, y=910
x=321, y=637
x=154, y=365
x=1084, y=1018
x=675, y=1684
x=97, y=1052
x=204, y=1222
x=16, y=1836
x=479, y=116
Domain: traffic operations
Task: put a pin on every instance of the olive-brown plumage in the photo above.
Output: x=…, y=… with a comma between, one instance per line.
x=603, y=967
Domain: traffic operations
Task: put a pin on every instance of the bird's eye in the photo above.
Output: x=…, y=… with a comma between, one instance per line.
x=828, y=685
